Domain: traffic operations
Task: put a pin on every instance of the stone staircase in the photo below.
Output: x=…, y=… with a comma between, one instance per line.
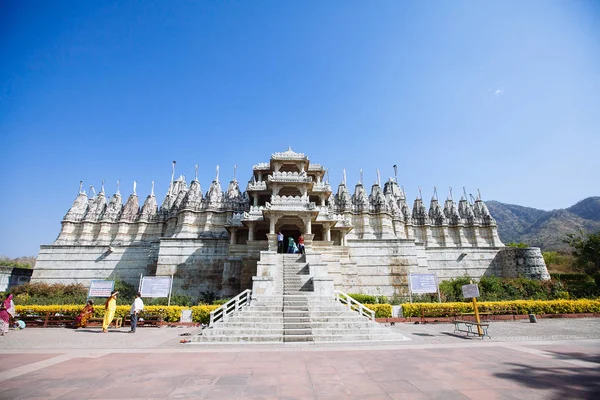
x=294, y=314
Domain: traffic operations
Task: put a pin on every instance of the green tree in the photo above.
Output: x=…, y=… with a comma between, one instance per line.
x=586, y=251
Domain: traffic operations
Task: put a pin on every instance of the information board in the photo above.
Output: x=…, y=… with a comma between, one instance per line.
x=470, y=291
x=423, y=283
x=100, y=288
x=156, y=286
x=186, y=316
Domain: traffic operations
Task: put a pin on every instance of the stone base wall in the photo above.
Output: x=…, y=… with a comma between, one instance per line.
x=81, y=264
x=448, y=263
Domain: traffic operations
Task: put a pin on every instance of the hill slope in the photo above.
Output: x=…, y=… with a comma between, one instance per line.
x=545, y=229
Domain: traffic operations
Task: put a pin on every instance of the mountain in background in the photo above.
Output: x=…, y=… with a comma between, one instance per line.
x=545, y=229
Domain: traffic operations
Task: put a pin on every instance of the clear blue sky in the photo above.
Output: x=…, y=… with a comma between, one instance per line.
x=501, y=96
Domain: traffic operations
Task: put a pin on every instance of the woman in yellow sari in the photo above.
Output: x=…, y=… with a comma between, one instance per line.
x=84, y=315
x=109, y=310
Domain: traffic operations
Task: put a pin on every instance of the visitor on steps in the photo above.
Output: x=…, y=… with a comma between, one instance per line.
x=291, y=244
x=279, y=242
x=301, y=244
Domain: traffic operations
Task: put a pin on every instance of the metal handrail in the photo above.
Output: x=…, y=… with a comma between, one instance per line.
x=354, y=305
x=222, y=313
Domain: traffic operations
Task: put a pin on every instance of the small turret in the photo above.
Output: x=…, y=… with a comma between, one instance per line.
x=96, y=208
x=419, y=214
x=132, y=207
x=150, y=207
x=114, y=208
x=193, y=197
x=79, y=208
x=342, y=199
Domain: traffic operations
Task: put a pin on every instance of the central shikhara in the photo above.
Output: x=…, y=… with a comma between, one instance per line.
x=226, y=241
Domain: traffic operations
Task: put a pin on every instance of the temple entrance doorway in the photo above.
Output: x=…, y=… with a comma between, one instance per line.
x=290, y=227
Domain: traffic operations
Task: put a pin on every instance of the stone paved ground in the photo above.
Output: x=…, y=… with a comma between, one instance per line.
x=554, y=359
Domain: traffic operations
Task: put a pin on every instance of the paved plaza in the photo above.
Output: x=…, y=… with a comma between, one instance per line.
x=553, y=359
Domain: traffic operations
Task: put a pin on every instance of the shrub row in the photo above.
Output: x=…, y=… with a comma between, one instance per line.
x=169, y=313
x=503, y=307
x=381, y=310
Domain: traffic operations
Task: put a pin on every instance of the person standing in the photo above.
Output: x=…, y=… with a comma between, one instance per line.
x=291, y=244
x=6, y=312
x=301, y=244
x=136, y=308
x=279, y=242
x=109, y=310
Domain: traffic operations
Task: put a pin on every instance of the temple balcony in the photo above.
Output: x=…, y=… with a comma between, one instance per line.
x=291, y=177
x=321, y=187
x=256, y=186
x=290, y=203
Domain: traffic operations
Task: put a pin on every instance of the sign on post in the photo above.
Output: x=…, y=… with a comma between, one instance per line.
x=423, y=283
x=470, y=291
x=156, y=286
x=100, y=288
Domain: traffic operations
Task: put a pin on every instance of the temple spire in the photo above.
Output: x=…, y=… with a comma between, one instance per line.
x=102, y=187
x=196, y=173
x=92, y=190
x=234, y=171
x=420, y=193
x=152, y=190
x=435, y=196
x=465, y=193
x=118, y=184
x=217, y=176
x=478, y=195
x=134, y=187
x=344, y=176
x=378, y=178
x=361, y=177
x=80, y=187
x=451, y=197
x=396, y=173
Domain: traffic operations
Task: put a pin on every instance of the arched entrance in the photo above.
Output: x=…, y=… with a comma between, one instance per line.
x=290, y=226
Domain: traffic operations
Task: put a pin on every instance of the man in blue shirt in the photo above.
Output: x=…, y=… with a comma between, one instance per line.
x=279, y=242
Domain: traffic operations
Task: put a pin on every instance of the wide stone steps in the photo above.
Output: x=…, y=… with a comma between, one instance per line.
x=293, y=315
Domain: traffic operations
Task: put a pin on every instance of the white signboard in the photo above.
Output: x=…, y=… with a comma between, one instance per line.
x=470, y=291
x=423, y=283
x=186, y=316
x=156, y=286
x=101, y=288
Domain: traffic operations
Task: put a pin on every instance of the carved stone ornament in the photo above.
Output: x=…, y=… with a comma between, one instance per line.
x=78, y=209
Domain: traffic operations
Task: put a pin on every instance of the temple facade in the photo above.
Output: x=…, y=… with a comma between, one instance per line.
x=358, y=240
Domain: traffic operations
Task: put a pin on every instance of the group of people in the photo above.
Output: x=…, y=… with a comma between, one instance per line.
x=111, y=306
x=292, y=247
x=7, y=312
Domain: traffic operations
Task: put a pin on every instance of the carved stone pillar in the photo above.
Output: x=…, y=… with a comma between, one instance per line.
x=255, y=196
x=250, y=231
x=272, y=240
x=272, y=226
x=308, y=224
x=327, y=233
x=308, y=241
x=232, y=236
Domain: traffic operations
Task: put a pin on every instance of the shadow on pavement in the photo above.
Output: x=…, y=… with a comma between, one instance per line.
x=570, y=383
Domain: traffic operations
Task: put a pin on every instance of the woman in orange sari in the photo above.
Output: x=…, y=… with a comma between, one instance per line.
x=85, y=314
x=109, y=310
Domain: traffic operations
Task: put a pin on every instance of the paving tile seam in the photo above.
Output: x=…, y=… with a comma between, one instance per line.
x=25, y=369
x=306, y=348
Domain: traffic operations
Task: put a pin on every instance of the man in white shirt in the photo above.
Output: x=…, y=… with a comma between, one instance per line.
x=136, y=308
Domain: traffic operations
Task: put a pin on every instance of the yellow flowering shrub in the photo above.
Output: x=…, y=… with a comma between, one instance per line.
x=503, y=307
x=381, y=310
x=169, y=313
